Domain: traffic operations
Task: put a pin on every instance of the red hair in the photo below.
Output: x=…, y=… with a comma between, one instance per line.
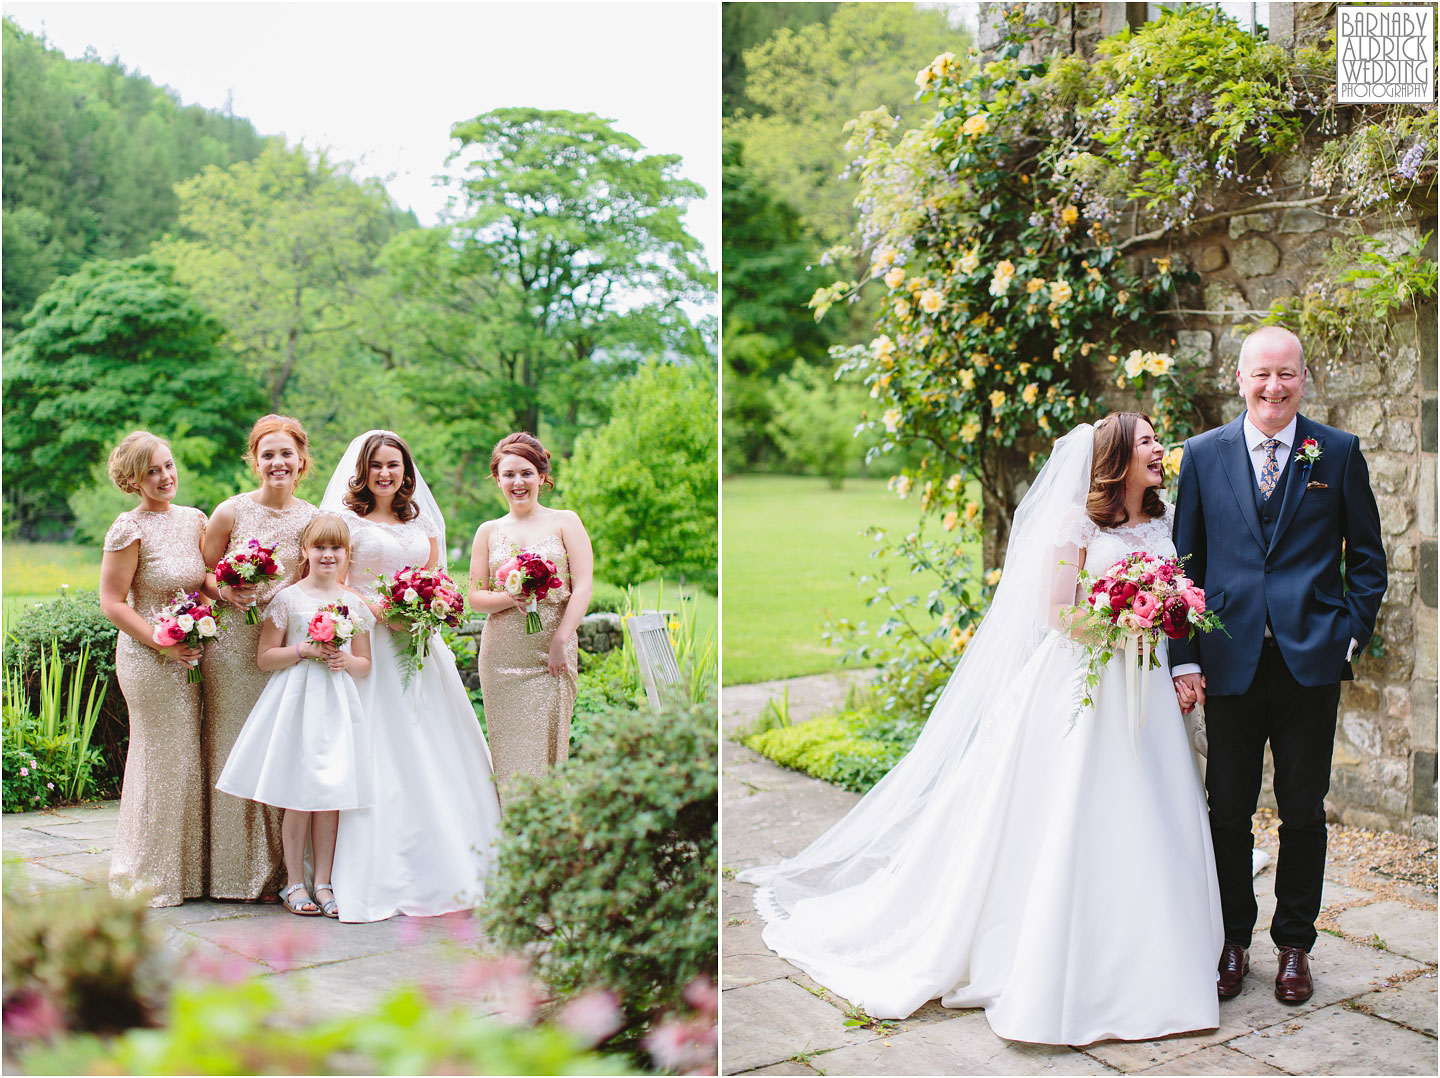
x=280, y=424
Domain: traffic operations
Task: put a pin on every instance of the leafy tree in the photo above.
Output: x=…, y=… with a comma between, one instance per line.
x=567, y=262
x=116, y=346
x=745, y=25
x=808, y=83
x=815, y=421
x=280, y=249
x=645, y=483
x=91, y=155
x=767, y=283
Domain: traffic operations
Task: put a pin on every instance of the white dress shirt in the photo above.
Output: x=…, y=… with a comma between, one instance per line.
x=1255, y=441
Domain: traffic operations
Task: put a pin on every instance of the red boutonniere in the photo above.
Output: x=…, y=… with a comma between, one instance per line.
x=1309, y=451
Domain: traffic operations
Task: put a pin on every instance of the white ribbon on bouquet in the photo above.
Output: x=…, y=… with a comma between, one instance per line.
x=1136, y=657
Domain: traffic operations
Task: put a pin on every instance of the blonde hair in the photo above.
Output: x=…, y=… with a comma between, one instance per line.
x=130, y=460
x=327, y=529
x=280, y=424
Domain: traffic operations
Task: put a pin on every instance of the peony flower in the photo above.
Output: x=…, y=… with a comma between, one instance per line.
x=1194, y=598
x=321, y=628
x=1145, y=604
x=895, y=277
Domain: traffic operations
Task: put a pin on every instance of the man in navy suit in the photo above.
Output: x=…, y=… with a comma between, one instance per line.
x=1269, y=507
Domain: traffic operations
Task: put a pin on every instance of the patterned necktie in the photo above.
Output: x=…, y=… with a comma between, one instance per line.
x=1270, y=470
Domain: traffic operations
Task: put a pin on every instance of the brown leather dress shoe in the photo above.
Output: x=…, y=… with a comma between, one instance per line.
x=1234, y=964
x=1292, y=982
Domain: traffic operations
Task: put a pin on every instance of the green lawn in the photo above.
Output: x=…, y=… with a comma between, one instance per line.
x=791, y=555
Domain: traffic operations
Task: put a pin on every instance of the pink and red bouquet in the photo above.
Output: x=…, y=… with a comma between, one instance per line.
x=425, y=599
x=331, y=624
x=252, y=564
x=190, y=620
x=532, y=576
x=1141, y=597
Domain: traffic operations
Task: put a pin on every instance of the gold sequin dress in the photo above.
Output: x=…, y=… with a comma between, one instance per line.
x=244, y=836
x=527, y=711
x=160, y=837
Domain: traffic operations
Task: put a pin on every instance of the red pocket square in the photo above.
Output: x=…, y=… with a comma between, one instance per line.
x=1317, y=486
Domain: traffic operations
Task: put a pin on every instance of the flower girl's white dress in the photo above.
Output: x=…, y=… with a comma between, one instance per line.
x=306, y=744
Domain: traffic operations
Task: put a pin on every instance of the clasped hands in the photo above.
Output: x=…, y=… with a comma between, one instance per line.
x=1190, y=691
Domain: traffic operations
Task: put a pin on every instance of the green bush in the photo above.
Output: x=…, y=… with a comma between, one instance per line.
x=854, y=749
x=74, y=622
x=606, y=681
x=607, y=598
x=607, y=868
x=81, y=955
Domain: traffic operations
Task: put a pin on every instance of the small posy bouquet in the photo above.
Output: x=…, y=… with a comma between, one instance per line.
x=252, y=564
x=189, y=620
x=424, y=598
x=1129, y=607
x=331, y=624
x=532, y=576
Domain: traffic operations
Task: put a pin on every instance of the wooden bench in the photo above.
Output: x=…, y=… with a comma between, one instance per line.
x=655, y=654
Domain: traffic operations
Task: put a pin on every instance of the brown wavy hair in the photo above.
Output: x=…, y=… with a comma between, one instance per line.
x=359, y=499
x=280, y=424
x=524, y=445
x=1110, y=464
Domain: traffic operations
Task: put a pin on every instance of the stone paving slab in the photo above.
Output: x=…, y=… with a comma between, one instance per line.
x=1364, y=994
x=964, y=1045
x=1337, y=1040
x=774, y=1021
x=1411, y=1004
x=1403, y=929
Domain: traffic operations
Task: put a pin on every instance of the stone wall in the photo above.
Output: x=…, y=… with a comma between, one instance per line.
x=1384, y=774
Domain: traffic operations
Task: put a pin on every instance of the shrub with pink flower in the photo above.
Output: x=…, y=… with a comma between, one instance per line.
x=1141, y=594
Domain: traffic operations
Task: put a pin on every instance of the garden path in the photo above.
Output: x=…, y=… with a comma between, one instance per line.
x=317, y=966
x=1373, y=1012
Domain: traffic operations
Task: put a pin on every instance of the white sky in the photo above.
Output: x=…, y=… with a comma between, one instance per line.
x=380, y=84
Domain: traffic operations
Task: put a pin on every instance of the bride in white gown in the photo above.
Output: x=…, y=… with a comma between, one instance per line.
x=1061, y=878
x=424, y=848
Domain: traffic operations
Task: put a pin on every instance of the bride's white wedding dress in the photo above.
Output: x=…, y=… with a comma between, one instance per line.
x=1061, y=878
x=424, y=847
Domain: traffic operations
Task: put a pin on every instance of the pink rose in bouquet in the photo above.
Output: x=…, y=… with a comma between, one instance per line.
x=425, y=599
x=246, y=567
x=188, y=620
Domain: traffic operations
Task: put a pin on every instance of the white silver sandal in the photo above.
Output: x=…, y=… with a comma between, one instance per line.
x=329, y=907
x=294, y=907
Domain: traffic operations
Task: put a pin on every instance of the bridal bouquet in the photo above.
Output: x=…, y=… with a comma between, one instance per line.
x=425, y=599
x=250, y=565
x=1129, y=607
x=189, y=620
x=331, y=624
x=530, y=575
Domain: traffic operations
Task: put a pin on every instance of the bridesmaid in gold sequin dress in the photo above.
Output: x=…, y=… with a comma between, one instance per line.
x=528, y=681
x=151, y=552
x=245, y=857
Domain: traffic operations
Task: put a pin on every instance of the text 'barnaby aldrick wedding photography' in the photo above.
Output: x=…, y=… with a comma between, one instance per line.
x=1385, y=54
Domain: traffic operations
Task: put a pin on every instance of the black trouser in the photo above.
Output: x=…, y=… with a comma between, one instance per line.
x=1299, y=722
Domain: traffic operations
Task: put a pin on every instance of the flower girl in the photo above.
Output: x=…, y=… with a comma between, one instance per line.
x=306, y=744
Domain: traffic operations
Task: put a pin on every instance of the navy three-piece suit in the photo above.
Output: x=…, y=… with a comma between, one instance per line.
x=1276, y=562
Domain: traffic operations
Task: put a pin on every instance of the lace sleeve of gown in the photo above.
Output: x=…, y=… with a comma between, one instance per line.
x=122, y=533
x=360, y=613
x=1074, y=535
x=279, y=609
x=427, y=523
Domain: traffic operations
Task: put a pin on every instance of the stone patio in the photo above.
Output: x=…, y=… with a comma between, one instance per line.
x=1373, y=1012
x=330, y=967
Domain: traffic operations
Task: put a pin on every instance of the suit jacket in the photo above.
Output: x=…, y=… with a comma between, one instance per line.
x=1294, y=580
